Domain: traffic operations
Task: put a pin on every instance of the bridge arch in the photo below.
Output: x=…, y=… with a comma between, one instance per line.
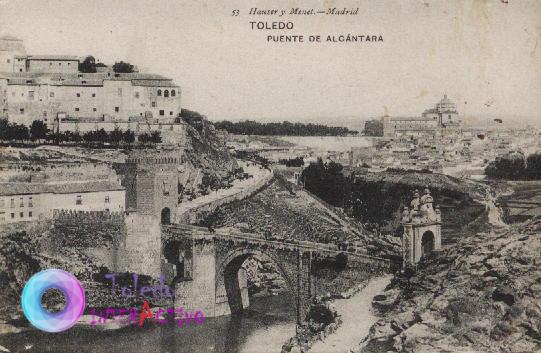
x=227, y=280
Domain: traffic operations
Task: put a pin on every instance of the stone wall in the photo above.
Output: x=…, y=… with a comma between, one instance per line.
x=123, y=242
x=200, y=212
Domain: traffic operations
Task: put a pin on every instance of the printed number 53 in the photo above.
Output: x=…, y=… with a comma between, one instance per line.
x=235, y=13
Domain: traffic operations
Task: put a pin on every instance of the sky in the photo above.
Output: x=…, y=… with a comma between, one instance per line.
x=485, y=53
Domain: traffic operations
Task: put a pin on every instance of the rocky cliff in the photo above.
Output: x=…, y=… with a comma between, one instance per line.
x=481, y=294
x=206, y=154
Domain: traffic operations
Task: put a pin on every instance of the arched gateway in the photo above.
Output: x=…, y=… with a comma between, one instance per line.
x=421, y=225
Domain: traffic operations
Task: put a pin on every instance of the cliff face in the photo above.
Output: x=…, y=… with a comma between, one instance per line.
x=481, y=294
x=206, y=153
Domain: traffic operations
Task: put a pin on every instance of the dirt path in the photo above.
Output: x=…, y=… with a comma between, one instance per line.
x=357, y=318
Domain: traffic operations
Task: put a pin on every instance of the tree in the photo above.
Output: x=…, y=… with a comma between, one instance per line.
x=326, y=181
x=143, y=138
x=122, y=67
x=38, y=130
x=128, y=136
x=20, y=132
x=4, y=129
x=156, y=137
x=88, y=65
x=116, y=136
x=102, y=135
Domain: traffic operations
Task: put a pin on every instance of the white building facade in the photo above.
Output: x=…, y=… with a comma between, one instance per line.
x=26, y=202
x=50, y=88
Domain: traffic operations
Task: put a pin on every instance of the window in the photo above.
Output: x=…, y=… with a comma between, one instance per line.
x=21, y=204
x=93, y=95
x=30, y=214
x=78, y=94
x=162, y=112
x=12, y=203
x=69, y=64
x=117, y=109
x=21, y=214
x=159, y=92
x=59, y=64
x=136, y=94
x=107, y=199
x=30, y=95
x=76, y=109
x=153, y=104
x=51, y=94
x=79, y=200
x=9, y=61
x=83, y=82
x=50, y=64
x=166, y=93
x=2, y=203
x=94, y=109
x=20, y=70
x=173, y=93
x=12, y=215
x=170, y=113
x=21, y=110
x=30, y=202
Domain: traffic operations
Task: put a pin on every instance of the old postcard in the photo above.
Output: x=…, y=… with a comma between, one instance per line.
x=270, y=176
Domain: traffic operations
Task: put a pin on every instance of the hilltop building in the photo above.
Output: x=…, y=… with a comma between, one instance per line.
x=440, y=120
x=51, y=89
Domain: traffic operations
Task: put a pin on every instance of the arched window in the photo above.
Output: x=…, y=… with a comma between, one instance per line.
x=159, y=92
x=166, y=93
x=173, y=93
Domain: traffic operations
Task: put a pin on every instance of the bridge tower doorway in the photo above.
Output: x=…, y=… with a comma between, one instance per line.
x=165, y=216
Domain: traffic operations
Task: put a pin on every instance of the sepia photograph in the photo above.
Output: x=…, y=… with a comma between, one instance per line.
x=257, y=176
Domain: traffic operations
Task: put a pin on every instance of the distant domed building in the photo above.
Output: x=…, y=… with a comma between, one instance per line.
x=445, y=112
x=441, y=119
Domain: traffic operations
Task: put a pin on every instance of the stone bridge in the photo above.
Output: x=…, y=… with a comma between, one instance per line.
x=204, y=266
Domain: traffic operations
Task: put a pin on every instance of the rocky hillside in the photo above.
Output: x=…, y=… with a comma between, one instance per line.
x=482, y=294
x=206, y=154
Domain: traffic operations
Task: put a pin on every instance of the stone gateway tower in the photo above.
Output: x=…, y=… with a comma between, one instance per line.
x=422, y=229
x=151, y=182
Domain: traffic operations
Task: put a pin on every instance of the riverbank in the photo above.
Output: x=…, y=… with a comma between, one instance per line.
x=357, y=318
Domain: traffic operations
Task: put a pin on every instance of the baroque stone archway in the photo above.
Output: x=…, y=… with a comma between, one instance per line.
x=421, y=225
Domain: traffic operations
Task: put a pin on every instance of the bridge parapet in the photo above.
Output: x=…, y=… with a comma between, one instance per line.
x=237, y=237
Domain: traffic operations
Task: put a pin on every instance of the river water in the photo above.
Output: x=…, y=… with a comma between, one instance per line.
x=264, y=327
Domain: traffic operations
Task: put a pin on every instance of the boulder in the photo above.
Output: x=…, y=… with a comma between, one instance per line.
x=504, y=294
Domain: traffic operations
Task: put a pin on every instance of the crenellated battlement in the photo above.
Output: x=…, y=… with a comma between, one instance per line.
x=155, y=156
x=88, y=216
